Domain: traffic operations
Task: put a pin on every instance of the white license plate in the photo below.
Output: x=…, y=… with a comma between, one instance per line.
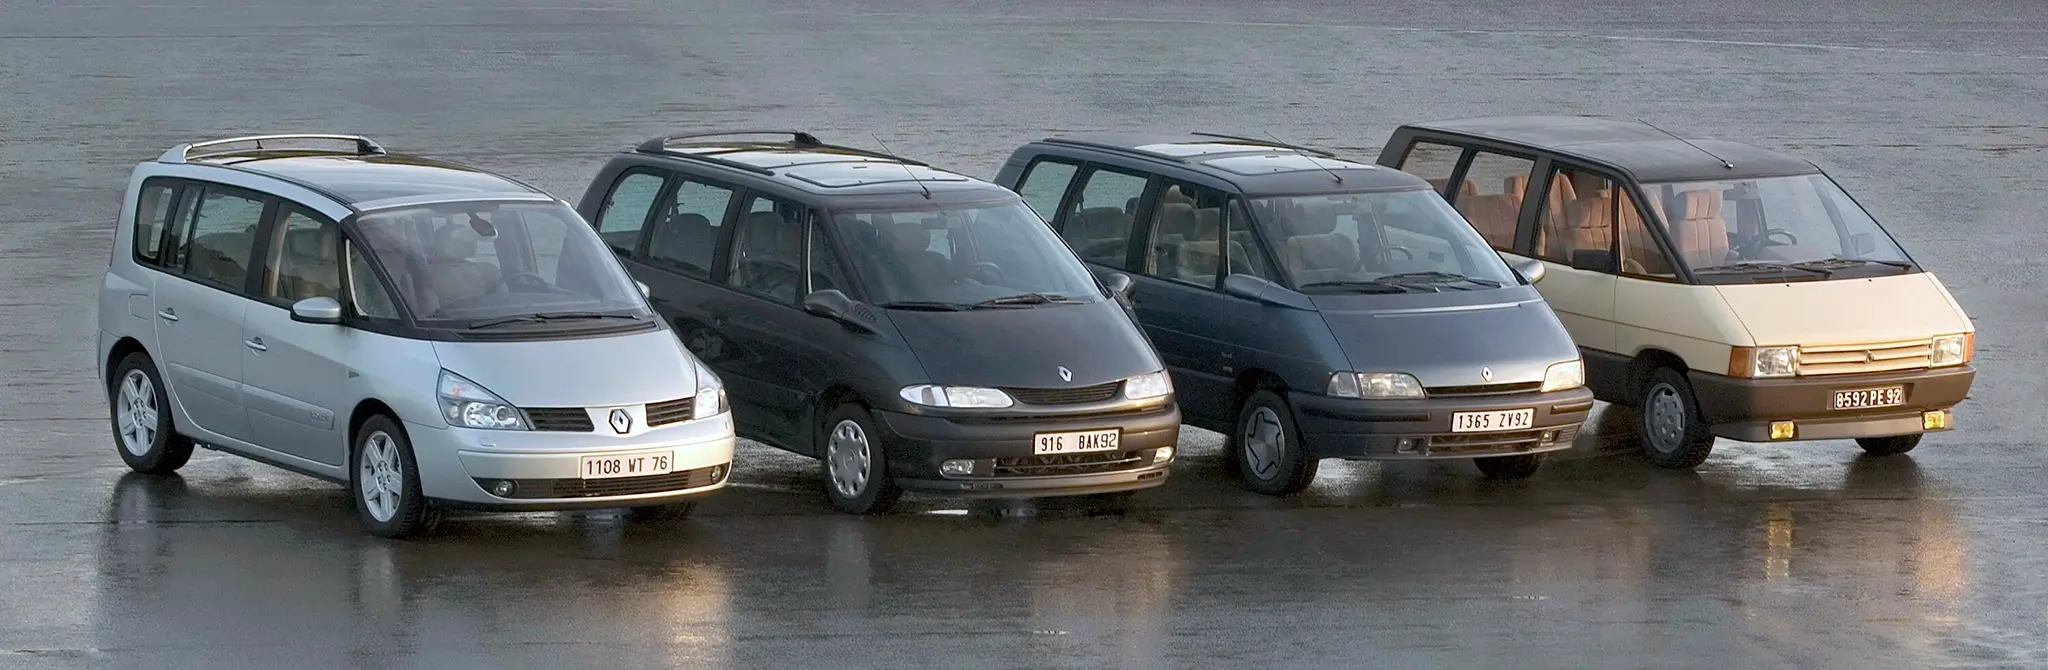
x=1878, y=397
x=1507, y=419
x=1075, y=443
x=637, y=464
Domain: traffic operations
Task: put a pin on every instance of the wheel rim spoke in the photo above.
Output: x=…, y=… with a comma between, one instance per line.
x=848, y=458
x=381, y=481
x=135, y=413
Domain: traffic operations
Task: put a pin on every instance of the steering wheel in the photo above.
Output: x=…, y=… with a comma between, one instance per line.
x=526, y=280
x=1756, y=244
x=986, y=272
x=1407, y=254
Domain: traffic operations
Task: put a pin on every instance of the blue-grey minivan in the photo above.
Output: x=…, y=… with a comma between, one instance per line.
x=1310, y=307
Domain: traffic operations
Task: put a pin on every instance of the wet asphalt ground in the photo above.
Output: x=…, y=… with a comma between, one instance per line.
x=1804, y=555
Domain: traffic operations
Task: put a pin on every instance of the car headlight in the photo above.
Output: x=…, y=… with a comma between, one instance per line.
x=710, y=399
x=466, y=404
x=1146, y=386
x=1951, y=350
x=1564, y=376
x=972, y=397
x=1759, y=362
x=1374, y=385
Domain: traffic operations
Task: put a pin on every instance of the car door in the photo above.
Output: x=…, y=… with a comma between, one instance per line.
x=668, y=230
x=293, y=373
x=200, y=303
x=1178, y=296
x=771, y=351
x=1574, y=236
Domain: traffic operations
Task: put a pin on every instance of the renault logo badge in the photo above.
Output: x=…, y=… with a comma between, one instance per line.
x=1065, y=374
x=1485, y=373
x=621, y=421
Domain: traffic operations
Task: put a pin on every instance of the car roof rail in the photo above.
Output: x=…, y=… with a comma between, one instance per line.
x=183, y=152
x=660, y=143
x=801, y=139
x=1267, y=142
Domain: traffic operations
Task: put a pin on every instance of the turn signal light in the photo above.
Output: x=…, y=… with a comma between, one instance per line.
x=1782, y=430
x=1935, y=420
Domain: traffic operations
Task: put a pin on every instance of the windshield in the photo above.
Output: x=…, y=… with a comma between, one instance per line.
x=1750, y=225
x=960, y=257
x=473, y=263
x=1404, y=241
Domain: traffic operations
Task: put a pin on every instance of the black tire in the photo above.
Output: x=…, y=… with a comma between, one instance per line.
x=875, y=492
x=412, y=514
x=161, y=451
x=1888, y=446
x=662, y=513
x=1281, y=468
x=1672, y=433
x=1520, y=466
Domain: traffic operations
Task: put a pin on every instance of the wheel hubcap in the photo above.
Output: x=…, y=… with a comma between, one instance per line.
x=1264, y=441
x=847, y=456
x=135, y=413
x=1666, y=420
x=379, y=477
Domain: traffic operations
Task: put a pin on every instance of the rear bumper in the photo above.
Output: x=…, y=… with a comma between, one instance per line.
x=1744, y=409
x=1421, y=429
x=1003, y=464
x=459, y=466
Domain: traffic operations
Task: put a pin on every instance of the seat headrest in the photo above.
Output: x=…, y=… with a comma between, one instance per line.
x=688, y=221
x=1587, y=184
x=763, y=219
x=1177, y=217
x=1207, y=221
x=1102, y=222
x=1516, y=184
x=305, y=243
x=907, y=236
x=456, y=241
x=1700, y=204
x=1315, y=219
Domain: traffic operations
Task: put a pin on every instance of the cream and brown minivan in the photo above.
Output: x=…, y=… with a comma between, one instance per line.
x=1720, y=288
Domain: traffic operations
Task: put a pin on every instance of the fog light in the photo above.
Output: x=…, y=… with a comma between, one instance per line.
x=1781, y=430
x=717, y=473
x=1405, y=445
x=1935, y=420
x=1162, y=454
x=959, y=467
x=502, y=488
x=1549, y=436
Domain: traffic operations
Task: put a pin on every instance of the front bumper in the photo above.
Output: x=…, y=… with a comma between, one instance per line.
x=1744, y=409
x=1000, y=447
x=457, y=465
x=1356, y=429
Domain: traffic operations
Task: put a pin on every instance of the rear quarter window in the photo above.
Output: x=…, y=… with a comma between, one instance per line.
x=152, y=215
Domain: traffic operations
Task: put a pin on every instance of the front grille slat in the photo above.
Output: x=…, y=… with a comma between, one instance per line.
x=673, y=411
x=1482, y=389
x=528, y=489
x=1066, y=396
x=559, y=419
x=1845, y=359
x=1066, y=464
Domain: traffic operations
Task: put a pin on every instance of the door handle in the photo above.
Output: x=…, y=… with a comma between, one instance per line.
x=256, y=343
x=167, y=314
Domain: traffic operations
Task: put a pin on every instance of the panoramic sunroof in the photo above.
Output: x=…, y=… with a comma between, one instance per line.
x=1274, y=163
x=838, y=175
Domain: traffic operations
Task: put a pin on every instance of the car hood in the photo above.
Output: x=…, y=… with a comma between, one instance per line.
x=1450, y=339
x=1846, y=311
x=581, y=372
x=1026, y=347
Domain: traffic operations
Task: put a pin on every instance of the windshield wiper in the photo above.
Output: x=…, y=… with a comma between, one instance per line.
x=924, y=305
x=1434, y=276
x=547, y=317
x=1024, y=299
x=1373, y=286
x=1847, y=262
x=1759, y=266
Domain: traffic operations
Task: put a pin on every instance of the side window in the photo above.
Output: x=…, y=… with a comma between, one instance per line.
x=626, y=209
x=222, y=235
x=366, y=293
x=1100, y=229
x=152, y=211
x=1187, y=232
x=768, y=249
x=1578, y=215
x=176, y=249
x=303, y=260
x=826, y=271
x=685, y=235
x=1490, y=196
x=1640, y=256
x=1432, y=161
x=1245, y=253
x=1044, y=183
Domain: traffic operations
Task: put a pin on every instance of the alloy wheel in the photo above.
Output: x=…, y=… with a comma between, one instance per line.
x=380, y=476
x=136, y=411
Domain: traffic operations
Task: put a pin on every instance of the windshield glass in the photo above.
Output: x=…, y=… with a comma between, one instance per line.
x=962, y=257
x=1805, y=221
x=477, y=262
x=1402, y=241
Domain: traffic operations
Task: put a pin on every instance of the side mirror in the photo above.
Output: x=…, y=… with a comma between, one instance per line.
x=317, y=310
x=1531, y=270
x=1245, y=286
x=644, y=291
x=833, y=304
x=1596, y=260
x=1119, y=284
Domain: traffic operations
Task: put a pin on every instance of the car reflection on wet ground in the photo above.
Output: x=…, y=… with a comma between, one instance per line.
x=1804, y=555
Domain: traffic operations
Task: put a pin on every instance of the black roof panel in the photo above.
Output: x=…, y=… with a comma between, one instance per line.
x=1257, y=167
x=1642, y=150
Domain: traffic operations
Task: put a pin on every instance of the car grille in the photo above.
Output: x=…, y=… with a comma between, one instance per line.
x=1482, y=389
x=673, y=411
x=1844, y=359
x=532, y=489
x=1066, y=396
x=1505, y=440
x=559, y=419
x=1067, y=464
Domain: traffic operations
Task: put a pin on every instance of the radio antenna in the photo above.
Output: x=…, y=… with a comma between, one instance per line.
x=1724, y=161
x=906, y=168
x=1311, y=159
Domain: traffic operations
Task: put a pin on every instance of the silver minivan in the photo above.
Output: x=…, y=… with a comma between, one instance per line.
x=429, y=334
